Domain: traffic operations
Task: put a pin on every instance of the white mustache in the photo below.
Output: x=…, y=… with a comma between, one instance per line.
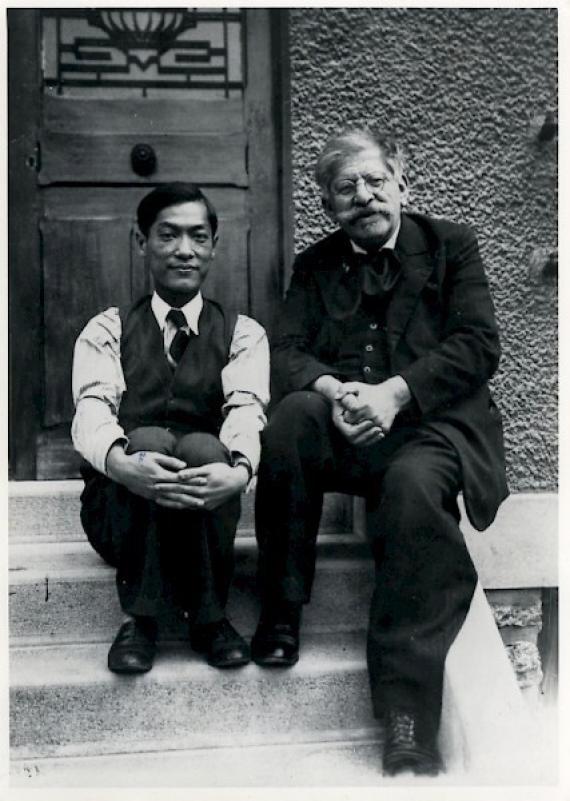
x=369, y=213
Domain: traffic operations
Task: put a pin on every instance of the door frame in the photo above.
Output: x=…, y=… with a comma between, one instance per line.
x=270, y=241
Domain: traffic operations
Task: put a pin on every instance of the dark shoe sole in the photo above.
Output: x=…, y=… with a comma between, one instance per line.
x=405, y=761
x=230, y=663
x=275, y=661
x=129, y=670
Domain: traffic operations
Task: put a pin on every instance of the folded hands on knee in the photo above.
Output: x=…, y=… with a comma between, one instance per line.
x=205, y=487
x=172, y=484
x=365, y=413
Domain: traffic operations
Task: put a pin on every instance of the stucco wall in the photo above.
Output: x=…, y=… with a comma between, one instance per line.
x=460, y=87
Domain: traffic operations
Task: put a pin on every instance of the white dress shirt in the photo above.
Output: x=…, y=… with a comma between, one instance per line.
x=99, y=383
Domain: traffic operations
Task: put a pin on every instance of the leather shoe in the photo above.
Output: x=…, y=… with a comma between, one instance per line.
x=409, y=745
x=223, y=645
x=134, y=647
x=276, y=640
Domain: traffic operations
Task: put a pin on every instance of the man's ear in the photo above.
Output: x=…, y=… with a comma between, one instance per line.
x=404, y=188
x=327, y=208
x=141, y=241
x=215, y=240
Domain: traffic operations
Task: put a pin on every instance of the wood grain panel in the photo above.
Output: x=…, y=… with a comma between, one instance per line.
x=24, y=284
x=86, y=269
x=130, y=115
x=265, y=250
x=78, y=202
x=227, y=281
x=106, y=158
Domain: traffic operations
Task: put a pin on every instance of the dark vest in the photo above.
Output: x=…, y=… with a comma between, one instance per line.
x=189, y=398
x=360, y=345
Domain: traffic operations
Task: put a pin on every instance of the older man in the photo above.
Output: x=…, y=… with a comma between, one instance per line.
x=384, y=347
x=170, y=396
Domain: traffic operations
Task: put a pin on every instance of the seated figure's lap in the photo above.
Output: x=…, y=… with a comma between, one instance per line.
x=426, y=460
x=295, y=410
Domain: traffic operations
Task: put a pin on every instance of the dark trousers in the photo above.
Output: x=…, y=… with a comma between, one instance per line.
x=424, y=577
x=164, y=557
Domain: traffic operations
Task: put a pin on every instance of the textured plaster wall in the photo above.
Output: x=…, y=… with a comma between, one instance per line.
x=461, y=88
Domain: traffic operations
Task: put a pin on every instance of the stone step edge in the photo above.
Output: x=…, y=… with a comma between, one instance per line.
x=252, y=770
x=86, y=663
x=339, y=552
x=71, y=486
x=105, y=638
x=346, y=761
x=91, y=750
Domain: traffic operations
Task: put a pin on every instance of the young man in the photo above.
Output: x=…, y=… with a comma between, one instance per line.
x=384, y=347
x=170, y=397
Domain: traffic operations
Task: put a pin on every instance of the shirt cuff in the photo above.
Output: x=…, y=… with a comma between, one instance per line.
x=239, y=459
x=106, y=440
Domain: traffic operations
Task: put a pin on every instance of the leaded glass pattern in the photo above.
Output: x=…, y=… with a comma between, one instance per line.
x=150, y=52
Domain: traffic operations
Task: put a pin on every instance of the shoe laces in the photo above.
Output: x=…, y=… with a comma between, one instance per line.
x=402, y=728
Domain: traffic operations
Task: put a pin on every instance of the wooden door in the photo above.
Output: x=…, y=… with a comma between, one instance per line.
x=122, y=100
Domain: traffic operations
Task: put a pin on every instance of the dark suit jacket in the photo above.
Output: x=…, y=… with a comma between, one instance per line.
x=442, y=336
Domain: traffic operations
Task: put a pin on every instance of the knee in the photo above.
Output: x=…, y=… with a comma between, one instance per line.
x=298, y=413
x=151, y=438
x=200, y=448
x=409, y=483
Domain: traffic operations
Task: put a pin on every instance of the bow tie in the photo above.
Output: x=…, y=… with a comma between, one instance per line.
x=379, y=271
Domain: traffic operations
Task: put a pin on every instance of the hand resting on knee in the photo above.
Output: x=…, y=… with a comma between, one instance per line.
x=205, y=487
x=168, y=481
x=141, y=471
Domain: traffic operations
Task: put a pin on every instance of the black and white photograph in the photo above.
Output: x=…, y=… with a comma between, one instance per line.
x=283, y=381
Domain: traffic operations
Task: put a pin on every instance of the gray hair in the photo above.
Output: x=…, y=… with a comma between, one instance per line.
x=353, y=140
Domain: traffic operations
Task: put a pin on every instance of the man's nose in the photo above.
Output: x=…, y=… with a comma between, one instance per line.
x=362, y=193
x=184, y=246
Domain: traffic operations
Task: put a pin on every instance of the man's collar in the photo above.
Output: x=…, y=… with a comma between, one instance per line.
x=191, y=311
x=389, y=245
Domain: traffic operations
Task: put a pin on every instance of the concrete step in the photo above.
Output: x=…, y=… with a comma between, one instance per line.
x=73, y=701
x=63, y=592
x=337, y=759
x=50, y=510
x=74, y=723
x=520, y=549
x=343, y=759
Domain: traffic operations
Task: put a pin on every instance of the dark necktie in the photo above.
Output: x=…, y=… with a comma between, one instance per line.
x=181, y=338
x=380, y=271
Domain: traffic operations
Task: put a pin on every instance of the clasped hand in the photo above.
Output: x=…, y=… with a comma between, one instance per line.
x=364, y=413
x=172, y=484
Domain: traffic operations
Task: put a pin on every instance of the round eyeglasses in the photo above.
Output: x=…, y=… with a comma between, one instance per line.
x=348, y=187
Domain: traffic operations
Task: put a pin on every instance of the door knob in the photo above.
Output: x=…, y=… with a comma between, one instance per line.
x=143, y=160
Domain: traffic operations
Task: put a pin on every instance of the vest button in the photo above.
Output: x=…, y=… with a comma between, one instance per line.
x=373, y=326
x=369, y=348
x=367, y=369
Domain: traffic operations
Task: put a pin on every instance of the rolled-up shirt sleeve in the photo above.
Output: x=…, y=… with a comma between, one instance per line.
x=98, y=385
x=245, y=383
